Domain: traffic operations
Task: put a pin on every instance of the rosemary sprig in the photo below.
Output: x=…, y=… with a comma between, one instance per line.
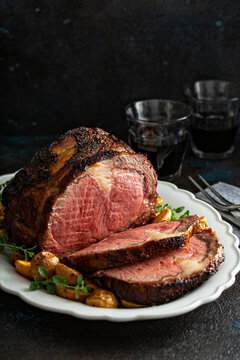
x=49, y=283
x=2, y=186
x=175, y=212
x=12, y=248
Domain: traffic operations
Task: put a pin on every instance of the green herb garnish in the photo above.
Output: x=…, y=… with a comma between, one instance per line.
x=49, y=283
x=2, y=186
x=175, y=212
x=12, y=248
x=158, y=208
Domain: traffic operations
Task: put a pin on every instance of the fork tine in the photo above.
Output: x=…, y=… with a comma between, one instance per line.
x=219, y=196
x=229, y=206
x=215, y=203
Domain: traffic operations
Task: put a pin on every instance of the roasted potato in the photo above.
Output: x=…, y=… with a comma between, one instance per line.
x=102, y=298
x=70, y=294
x=44, y=259
x=90, y=286
x=23, y=268
x=71, y=275
x=129, y=304
x=17, y=255
x=164, y=215
x=67, y=273
x=1, y=211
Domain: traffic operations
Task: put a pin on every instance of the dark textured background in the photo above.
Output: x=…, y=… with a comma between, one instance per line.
x=79, y=62
x=70, y=63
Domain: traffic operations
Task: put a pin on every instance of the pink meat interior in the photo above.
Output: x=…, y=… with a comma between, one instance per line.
x=86, y=213
x=132, y=237
x=171, y=264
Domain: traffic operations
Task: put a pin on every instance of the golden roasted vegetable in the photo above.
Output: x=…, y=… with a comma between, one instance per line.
x=164, y=215
x=17, y=255
x=90, y=286
x=67, y=273
x=71, y=276
x=102, y=298
x=1, y=219
x=129, y=304
x=70, y=294
x=44, y=259
x=23, y=268
x=1, y=212
x=203, y=223
x=159, y=201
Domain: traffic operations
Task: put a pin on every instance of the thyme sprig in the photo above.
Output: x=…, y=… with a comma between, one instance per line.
x=12, y=248
x=3, y=185
x=175, y=212
x=49, y=283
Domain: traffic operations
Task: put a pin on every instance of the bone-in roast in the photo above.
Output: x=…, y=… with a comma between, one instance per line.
x=168, y=276
x=131, y=246
x=82, y=188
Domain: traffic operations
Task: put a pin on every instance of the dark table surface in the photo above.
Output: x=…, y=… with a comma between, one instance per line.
x=209, y=332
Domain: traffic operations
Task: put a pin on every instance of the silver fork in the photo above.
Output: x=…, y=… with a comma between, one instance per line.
x=226, y=209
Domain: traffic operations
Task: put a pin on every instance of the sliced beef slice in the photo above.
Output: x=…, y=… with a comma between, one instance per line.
x=168, y=276
x=82, y=188
x=131, y=246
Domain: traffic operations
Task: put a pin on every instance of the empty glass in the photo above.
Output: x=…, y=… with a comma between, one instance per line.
x=215, y=118
x=159, y=129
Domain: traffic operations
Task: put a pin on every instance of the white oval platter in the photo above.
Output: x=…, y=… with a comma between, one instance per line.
x=13, y=283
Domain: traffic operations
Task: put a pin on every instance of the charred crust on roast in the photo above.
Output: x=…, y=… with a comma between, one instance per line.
x=109, y=259
x=161, y=292
x=49, y=170
x=105, y=259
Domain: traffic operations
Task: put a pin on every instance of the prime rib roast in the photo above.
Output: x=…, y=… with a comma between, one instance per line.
x=82, y=188
x=131, y=246
x=86, y=198
x=168, y=276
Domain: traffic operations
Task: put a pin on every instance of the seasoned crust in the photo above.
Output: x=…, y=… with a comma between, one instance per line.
x=31, y=195
x=145, y=294
x=108, y=259
x=150, y=294
x=94, y=261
